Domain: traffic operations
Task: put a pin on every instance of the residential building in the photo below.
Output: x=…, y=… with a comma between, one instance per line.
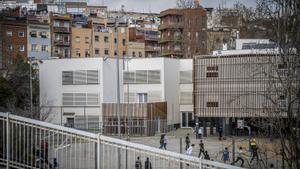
x=232, y=87
x=136, y=49
x=61, y=35
x=39, y=37
x=96, y=11
x=75, y=8
x=101, y=37
x=14, y=39
x=81, y=43
x=87, y=87
x=183, y=32
x=220, y=39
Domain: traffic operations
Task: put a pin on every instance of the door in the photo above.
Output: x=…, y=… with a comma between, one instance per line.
x=186, y=119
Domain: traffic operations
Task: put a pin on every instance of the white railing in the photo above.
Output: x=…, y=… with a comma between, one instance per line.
x=28, y=143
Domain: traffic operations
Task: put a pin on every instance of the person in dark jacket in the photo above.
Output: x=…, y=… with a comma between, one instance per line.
x=138, y=163
x=148, y=164
x=187, y=141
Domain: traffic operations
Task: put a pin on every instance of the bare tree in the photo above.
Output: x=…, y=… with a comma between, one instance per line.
x=185, y=3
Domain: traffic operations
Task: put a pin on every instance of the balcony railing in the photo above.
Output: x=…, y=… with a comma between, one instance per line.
x=61, y=29
x=152, y=48
x=61, y=43
x=171, y=26
x=170, y=39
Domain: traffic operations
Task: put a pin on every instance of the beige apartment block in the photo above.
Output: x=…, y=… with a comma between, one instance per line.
x=136, y=49
x=81, y=42
x=119, y=41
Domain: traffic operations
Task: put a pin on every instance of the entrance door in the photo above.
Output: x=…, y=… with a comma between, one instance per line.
x=186, y=119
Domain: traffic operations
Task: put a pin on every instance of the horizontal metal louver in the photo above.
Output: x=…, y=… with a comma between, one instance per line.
x=80, y=77
x=92, y=99
x=154, y=76
x=141, y=77
x=186, y=98
x=92, y=76
x=185, y=77
x=129, y=77
x=68, y=99
x=80, y=99
x=67, y=77
x=154, y=96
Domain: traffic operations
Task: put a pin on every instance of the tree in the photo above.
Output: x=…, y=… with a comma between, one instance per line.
x=185, y=3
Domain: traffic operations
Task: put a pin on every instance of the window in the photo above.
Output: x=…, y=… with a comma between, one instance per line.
x=97, y=51
x=133, y=54
x=80, y=99
x=80, y=77
x=116, y=41
x=33, y=34
x=106, y=52
x=140, y=54
x=10, y=47
x=142, y=97
x=105, y=39
x=77, y=39
x=21, y=48
x=87, y=53
x=212, y=71
x=21, y=34
x=87, y=40
x=96, y=38
x=43, y=34
x=44, y=48
x=77, y=52
x=33, y=47
x=212, y=104
x=9, y=33
x=124, y=42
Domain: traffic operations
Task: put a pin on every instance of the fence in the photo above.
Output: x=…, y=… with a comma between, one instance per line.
x=27, y=143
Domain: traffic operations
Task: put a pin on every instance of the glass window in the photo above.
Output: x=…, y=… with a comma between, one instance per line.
x=33, y=47
x=43, y=34
x=87, y=40
x=97, y=51
x=105, y=39
x=96, y=38
x=77, y=39
x=44, y=48
x=10, y=47
x=124, y=42
x=21, y=48
x=33, y=34
x=142, y=97
x=21, y=34
x=9, y=33
x=87, y=52
x=116, y=41
x=106, y=52
x=77, y=52
x=212, y=104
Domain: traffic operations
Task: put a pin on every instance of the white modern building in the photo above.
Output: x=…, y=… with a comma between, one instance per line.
x=71, y=89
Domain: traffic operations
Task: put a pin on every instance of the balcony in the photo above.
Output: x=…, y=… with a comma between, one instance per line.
x=152, y=48
x=61, y=30
x=61, y=43
x=171, y=26
x=151, y=38
x=171, y=39
x=173, y=53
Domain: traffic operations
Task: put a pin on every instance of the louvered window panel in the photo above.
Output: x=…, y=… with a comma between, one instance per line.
x=80, y=99
x=92, y=99
x=68, y=99
x=67, y=77
x=80, y=77
x=131, y=97
x=154, y=76
x=185, y=77
x=141, y=77
x=128, y=77
x=186, y=98
x=92, y=77
x=154, y=96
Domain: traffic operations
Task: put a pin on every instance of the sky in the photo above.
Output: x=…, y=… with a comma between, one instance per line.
x=159, y=5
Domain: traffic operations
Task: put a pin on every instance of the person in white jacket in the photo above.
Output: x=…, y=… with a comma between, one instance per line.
x=189, y=151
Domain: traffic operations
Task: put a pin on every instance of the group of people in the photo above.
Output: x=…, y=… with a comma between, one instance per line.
x=189, y=148
x=139, y=165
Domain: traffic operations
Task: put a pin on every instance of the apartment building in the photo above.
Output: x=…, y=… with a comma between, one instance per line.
x=101, y=37
x=61, y=35
x=14, y=39
x=136, y=49
x=81, y=39
x=229, y=87
x=39, y=37
x=183, y=32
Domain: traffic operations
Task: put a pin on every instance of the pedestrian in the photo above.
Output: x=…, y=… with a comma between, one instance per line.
x=189, y=151
x=187, y=141
x=55, y=163
x=161, y=141
x=200, y=132
x=201, y=145
x=206, y=156
x=138, y=163
x=196, y=130
x=225, y=156
x=148, y=164
x=252, y=143
x=165, y=141
x=239, y=157
x=254, y=154
x=220, y=133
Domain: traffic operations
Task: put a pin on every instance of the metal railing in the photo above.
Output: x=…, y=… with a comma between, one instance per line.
x=28, y=143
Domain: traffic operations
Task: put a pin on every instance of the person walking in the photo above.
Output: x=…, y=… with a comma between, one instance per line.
x=220, y=133
x=138, y=163
x=200, y=132
x=201, y=145
x=187, y=141
x=206, y=156
x=148, y=164
x=239, y=157
x=252, y=143
x=165, y=141
x=254, y=154
x=161, y=141
x=189, y=151
x=225, y=156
